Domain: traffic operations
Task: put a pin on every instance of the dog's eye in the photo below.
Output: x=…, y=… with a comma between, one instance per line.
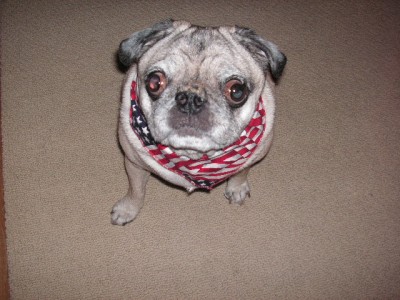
x=236, y=92
x=156, y=83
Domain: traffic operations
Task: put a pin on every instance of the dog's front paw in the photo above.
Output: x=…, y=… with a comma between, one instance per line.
x=124, y=211
x=237, y=193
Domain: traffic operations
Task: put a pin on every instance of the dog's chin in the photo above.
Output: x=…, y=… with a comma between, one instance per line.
x=191, y=146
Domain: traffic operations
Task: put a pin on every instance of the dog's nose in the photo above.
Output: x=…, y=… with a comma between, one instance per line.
x=189, y=102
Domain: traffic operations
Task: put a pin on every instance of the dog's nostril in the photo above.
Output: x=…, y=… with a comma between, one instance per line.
x=197, y=101
x=181, y=98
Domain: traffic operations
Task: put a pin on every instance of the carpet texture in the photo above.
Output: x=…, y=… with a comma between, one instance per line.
x=323, y=220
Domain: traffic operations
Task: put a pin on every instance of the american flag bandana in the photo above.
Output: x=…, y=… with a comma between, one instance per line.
x=206, y=172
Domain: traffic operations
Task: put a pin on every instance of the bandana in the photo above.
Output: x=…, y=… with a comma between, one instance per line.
x=206, y=172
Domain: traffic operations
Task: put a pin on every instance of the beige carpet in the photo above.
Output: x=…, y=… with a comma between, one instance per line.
x=323, y=220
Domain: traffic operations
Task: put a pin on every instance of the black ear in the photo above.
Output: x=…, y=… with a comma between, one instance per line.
x=264, y=52
x=131, y=49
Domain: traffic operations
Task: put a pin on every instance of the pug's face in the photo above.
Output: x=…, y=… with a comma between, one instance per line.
x=198, y=87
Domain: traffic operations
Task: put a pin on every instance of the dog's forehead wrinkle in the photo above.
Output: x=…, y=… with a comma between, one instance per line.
x=197, y=51
x=197, y=39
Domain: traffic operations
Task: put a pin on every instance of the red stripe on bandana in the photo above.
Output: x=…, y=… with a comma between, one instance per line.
x=205, y=172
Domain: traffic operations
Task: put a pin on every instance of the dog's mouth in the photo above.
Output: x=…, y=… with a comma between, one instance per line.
x=190, y=142
x=197, y=124
x=189, y=131
x=191, y=135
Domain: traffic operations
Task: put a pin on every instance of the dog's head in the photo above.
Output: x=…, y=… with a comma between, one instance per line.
x=197, y=86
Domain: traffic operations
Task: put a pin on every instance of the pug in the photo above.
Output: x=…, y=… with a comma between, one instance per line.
x=197, y=108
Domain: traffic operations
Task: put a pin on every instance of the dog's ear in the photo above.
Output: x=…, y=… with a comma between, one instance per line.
x=264, y=52
x=131, y=49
